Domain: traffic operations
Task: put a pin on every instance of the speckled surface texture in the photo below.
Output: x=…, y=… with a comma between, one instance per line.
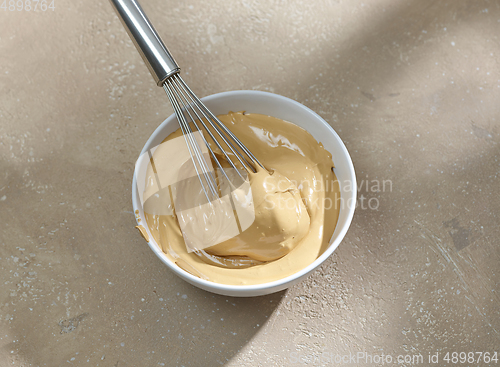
x=412, y=87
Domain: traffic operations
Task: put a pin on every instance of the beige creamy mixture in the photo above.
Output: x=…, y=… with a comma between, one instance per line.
x=296, y=201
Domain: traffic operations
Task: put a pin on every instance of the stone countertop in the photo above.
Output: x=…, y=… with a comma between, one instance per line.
x=413, y=89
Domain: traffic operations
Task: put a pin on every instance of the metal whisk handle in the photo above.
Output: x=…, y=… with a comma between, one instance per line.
x=155, y=54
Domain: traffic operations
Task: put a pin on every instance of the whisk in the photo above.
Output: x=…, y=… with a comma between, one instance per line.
x=189, y=110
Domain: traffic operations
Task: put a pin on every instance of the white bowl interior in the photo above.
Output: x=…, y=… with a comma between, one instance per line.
x=285, y=109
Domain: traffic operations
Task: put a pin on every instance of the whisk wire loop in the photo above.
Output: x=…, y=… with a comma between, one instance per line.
x=211, y=118
x=192, y=114
x=199, y=162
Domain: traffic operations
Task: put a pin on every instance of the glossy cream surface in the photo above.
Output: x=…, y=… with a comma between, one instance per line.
x=295, y=202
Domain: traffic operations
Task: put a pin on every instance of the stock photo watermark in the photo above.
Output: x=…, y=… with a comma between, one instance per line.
x=366, y=190
x=213, y=205
x=27, y=5
x=441, y=358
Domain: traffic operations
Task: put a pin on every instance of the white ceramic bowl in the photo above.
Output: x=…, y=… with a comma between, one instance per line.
x=285, y=109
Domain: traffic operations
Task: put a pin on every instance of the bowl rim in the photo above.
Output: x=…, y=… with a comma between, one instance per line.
x=207, y=284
